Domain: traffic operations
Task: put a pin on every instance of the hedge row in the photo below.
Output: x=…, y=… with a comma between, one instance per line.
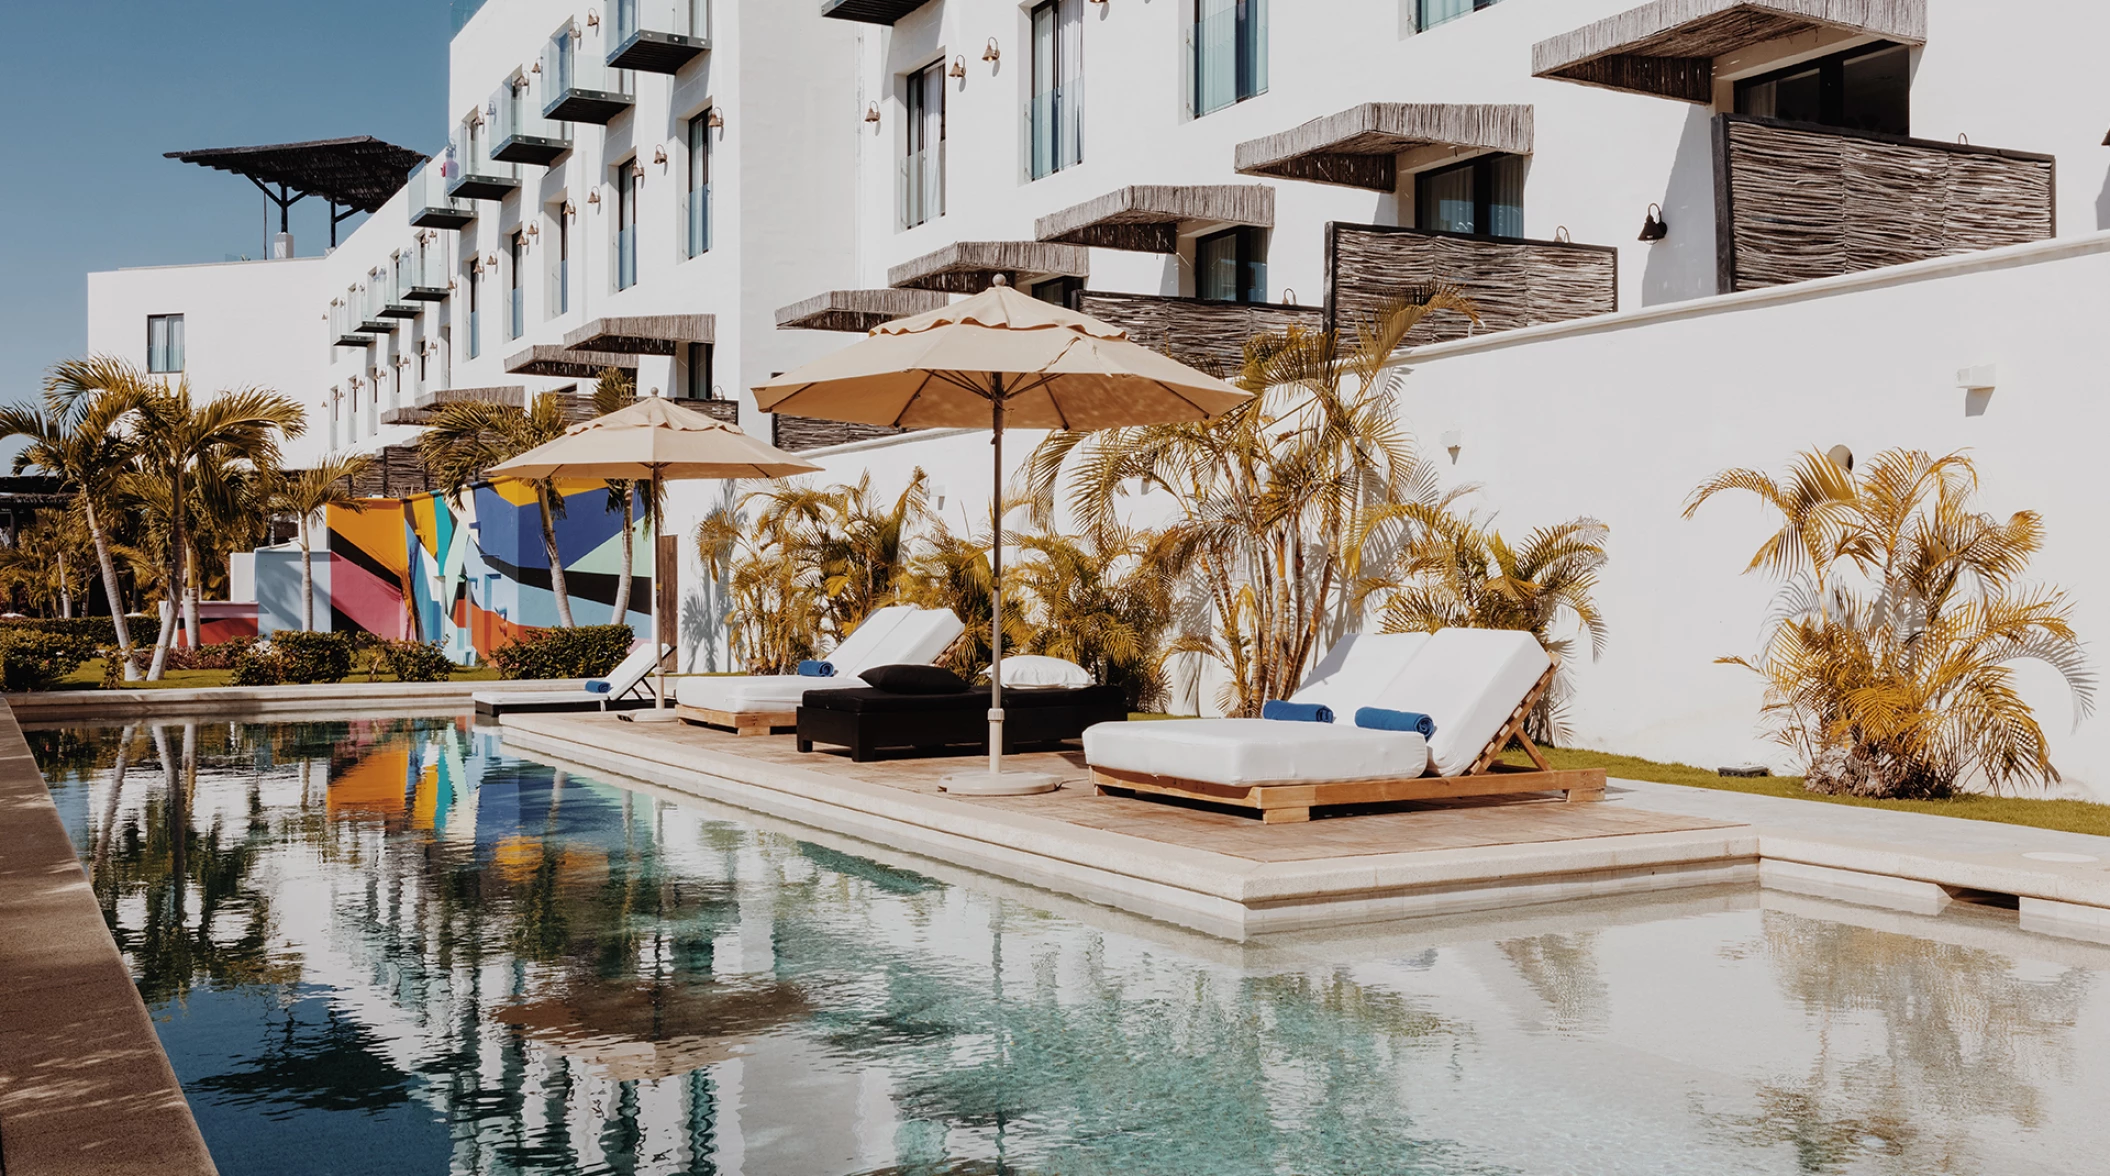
x=590, y=651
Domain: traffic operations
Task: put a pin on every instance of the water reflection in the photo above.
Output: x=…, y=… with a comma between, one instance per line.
x=384, y=947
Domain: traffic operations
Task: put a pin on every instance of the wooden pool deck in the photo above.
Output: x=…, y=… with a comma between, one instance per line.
x=1217, y=870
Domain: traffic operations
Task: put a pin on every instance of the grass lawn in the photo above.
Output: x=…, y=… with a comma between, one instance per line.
x=90, y=677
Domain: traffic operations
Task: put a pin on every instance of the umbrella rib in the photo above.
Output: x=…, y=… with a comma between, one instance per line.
x=911, y=401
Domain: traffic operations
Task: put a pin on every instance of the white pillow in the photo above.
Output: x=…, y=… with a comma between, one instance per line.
x=1033, y=672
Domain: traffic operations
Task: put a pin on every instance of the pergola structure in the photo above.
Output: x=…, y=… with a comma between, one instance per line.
x=359, y=174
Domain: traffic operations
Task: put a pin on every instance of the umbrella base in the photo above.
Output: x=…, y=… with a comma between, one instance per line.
x=987, y=783
x=649, y=716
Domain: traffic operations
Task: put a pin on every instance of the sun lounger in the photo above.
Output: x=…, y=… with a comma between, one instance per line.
x=629, y=687
x=867, y=720
x=1478, y=685
x=756, y=704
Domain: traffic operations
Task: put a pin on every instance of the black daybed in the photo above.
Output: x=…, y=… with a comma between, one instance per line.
x=867, y=720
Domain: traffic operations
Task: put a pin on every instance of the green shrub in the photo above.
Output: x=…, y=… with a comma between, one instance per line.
x=259, y=665
x=32, y=660
x=416, y=661
x=95, y=632
x=587, y=652
x=313, y=657
x=209, y=657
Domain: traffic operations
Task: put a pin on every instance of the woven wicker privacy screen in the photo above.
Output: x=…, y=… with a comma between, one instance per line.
x=1796, y=202
x=1514, y=283
x=1210, y=336
x=798, y=434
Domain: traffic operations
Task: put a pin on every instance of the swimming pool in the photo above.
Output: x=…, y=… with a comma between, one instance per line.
x=386, y=947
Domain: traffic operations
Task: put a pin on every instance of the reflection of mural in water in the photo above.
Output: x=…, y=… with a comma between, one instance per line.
x=1919, y=1038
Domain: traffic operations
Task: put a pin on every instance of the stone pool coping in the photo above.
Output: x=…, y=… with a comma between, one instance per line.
x=125, y=705
x=84, y=1084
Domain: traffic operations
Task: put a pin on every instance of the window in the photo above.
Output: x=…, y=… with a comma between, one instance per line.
x=164, y=342
x=1430, y=13
x=923, y=159
x=1230, y=52
x=1484, y=197
x=516, y=295
x=476, y=333
x=1864, y=89
x=562, y=272
x=1056, y=117
x=696, y=373
x=699, y=213
x=1231, y=266
x=1057, y=290
x=626, y=224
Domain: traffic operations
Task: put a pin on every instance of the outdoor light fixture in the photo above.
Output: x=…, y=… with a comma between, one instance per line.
x=959, y=68
x=534, y=231
x=570, y=209
x=594, y=197
x=714, y=120
x=937, y=494
x=637, y=170
x=872, y=113
x=491, y=261
x=1560, y=233
x=593, y=18
x=992, y=54
x=1653, y=229
x=659, y=155
x=535, y=68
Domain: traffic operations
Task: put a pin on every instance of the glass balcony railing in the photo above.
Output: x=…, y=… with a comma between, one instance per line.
x=422, y=274
x=373, y=298
x=430, y=205
x=344, y=324
x=390, y=283
x=578, y=86
x=626, y=257
x=480, y=177
x=519, y=131
x=697, y=214
x=659, y=36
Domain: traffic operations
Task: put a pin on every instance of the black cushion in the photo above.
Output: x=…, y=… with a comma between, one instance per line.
x=915, y=679
x=867, y=701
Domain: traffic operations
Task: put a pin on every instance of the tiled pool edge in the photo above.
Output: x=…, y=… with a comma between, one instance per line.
x=1211, y=892
x=105, y=706
x=84, y=1084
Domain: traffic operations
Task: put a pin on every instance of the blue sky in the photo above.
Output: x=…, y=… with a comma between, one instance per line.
x=93, y=91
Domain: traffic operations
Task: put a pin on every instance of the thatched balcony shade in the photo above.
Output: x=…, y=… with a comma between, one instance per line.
x=652, y=334
x=884, y=12
x=1146, y=218
x=970, y=267
x=545, y=359
x=421, y=412
x=856, y=310
x=1359, y=147
x=1667, y=49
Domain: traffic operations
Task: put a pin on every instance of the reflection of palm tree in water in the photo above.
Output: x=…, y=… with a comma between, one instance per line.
x=1562, y=969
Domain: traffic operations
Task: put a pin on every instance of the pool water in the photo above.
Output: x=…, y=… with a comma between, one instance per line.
x=387, y=947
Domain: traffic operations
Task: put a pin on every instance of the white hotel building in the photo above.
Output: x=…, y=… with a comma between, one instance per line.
x=1702, y=233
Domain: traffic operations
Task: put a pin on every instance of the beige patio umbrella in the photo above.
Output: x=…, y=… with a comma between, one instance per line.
x=654, y=440
x=1000, y=358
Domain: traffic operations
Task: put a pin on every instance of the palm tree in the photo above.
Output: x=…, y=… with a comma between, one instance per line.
x=79, y=438
x=1901, y=610
x=1103, y=602
x=188, y=450
x=1277, y=499
x=41, y=565
x=468, y=437
x=306, y=493
x=613, y=391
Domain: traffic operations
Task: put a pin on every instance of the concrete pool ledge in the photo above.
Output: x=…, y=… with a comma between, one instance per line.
x=1207, y=890
x=247, y=701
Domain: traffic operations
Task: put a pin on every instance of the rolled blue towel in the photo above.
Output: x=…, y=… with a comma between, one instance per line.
x=816, y=669
x=598, y=686
x=1377, y=718
x=1296, y=712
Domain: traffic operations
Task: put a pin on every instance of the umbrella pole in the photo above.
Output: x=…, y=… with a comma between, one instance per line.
x=996, y=569
x=659, y=592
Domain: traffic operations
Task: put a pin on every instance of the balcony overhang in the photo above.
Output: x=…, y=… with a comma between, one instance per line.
x=655, y=52
x=540, y=150
x=427, y=293
x=1668, y=49
x=969, y=267
x=443, y=217
x=599, y=107
x=884, y=12
x=1146, y=218
x=378, y=326
x=856, y=310
x=1360, y=147
x=476, y=187
x=652, y=334
x=545, y=359
x=401, y=310
x=353, y=339
x=421, y=412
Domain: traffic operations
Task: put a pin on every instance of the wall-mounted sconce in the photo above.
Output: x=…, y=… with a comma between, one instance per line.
x=659, y=155
x=714, y=120
x=937, y=495
x=534, y=231
x=872, y=113
x=992, y=54
x=594, y=197
x=570, y=209
x=959, y=68
x=490, y=261
x=535, y=68
x=1289, y=296
x=1982, y=378
x=1653, y=228
x=637, y=170
x=1560, y=233
x=593, y=18
x=1842, y=457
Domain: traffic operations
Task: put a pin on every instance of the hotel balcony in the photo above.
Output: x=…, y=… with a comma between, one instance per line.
x=430, y=205
x=1210, y=336
x=345, y=330
x=1796, y=201
x=856, y=310
x=798, y=434
x=1513, y=282
x=520, y=133
x=577, y=87
x=884, y=12
x=420, y=410
x=480, y=177
x=970, y=267
x=420, y=277
x=659, y=36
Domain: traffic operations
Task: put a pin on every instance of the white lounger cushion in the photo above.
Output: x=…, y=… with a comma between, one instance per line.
x=1355, y=672
x=751, y=692
x=869, y=638
x=923, y=635
x=1254, y=751
x=1468, y=681
x=899, y=635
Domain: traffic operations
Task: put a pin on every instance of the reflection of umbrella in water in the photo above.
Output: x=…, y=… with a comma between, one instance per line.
x=649, y=1031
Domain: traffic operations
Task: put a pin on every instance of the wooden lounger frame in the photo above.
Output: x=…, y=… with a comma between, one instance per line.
x=769, y=722
x=1291, y=802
